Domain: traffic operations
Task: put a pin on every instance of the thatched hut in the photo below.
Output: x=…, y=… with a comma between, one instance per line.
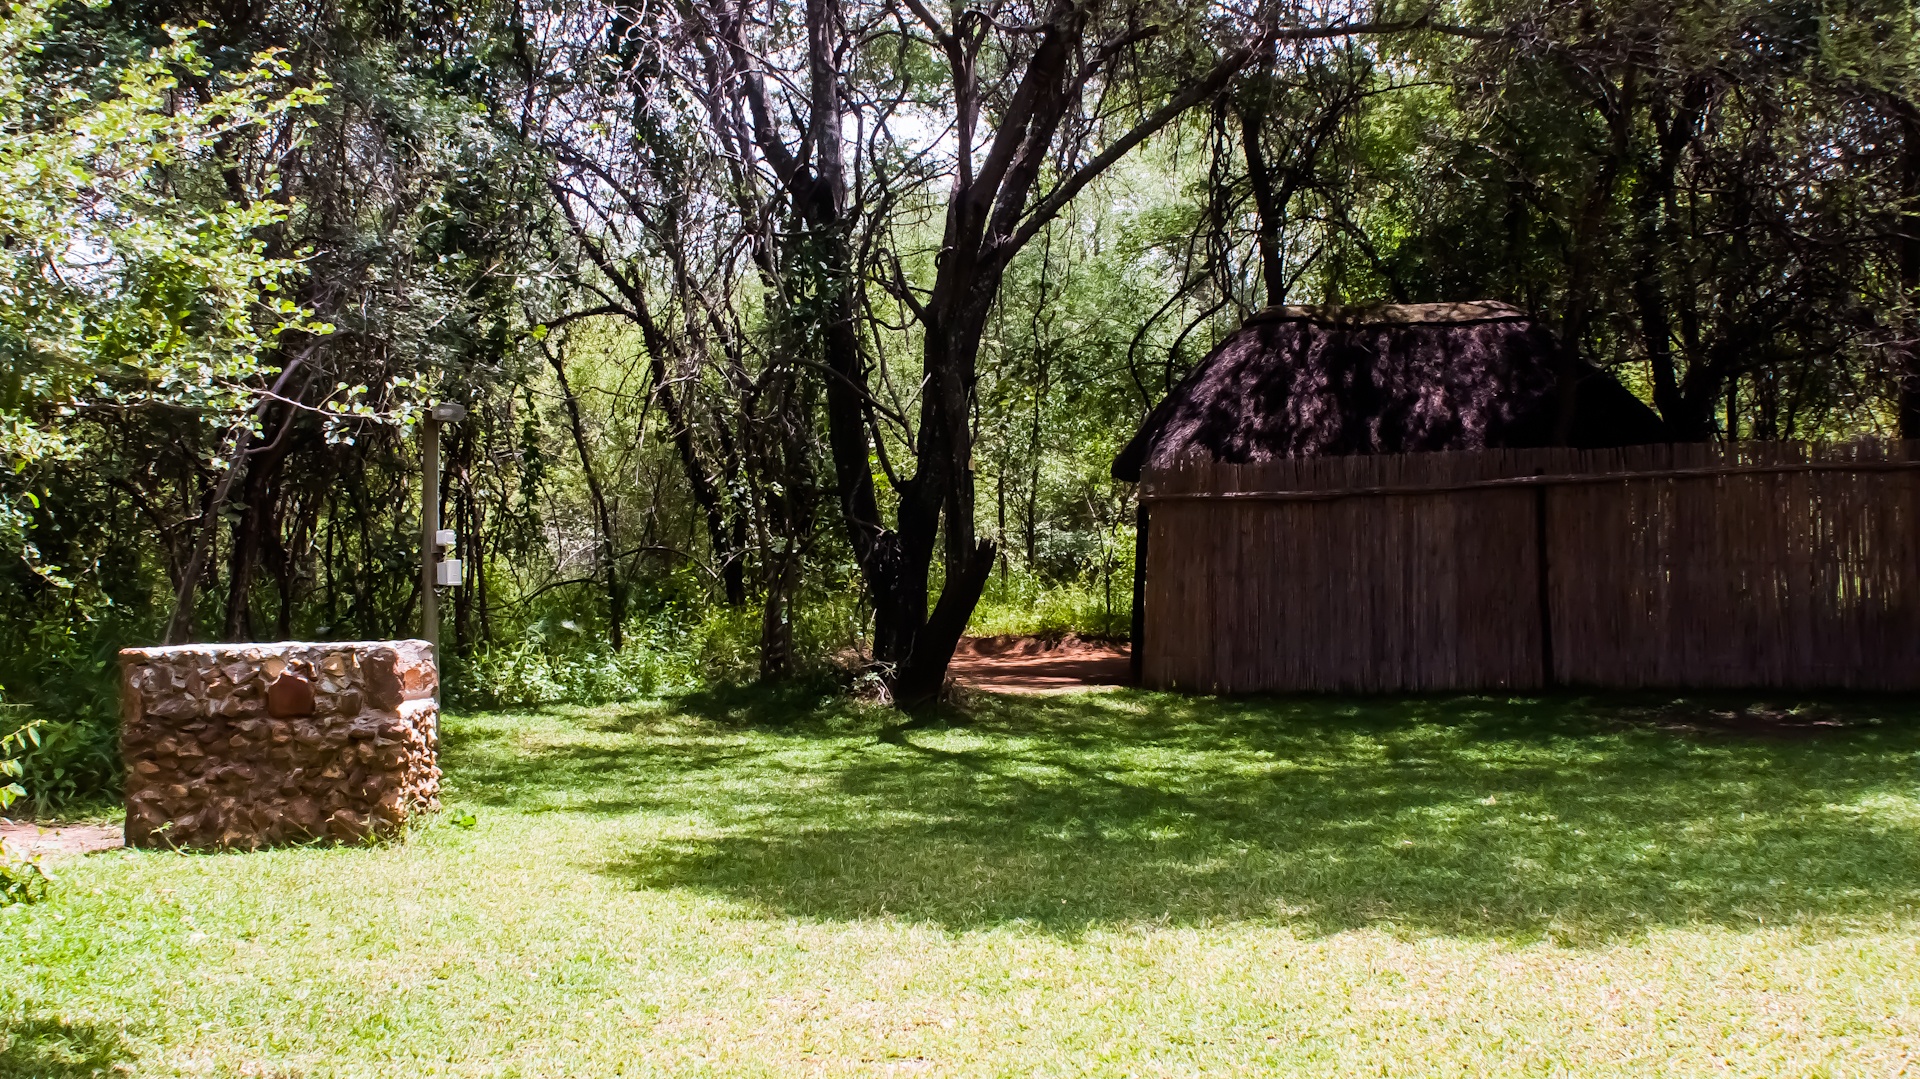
x=1306, y=381
x=1333, y=381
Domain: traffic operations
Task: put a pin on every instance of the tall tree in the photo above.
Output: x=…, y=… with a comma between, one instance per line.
x=1037, y=100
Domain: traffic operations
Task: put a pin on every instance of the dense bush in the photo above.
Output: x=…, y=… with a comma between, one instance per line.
x=60, y=671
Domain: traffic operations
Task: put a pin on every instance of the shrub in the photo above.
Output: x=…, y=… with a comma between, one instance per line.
x=679, y=650
x=1098, y=605
x=76, y=761
x=59, y=664
x=21, y=879
x=12, y=747
x=671, y=652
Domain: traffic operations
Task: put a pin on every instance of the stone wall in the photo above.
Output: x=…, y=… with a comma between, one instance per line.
x=244, y=745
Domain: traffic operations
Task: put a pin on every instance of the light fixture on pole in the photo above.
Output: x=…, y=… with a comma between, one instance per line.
x=434, y=571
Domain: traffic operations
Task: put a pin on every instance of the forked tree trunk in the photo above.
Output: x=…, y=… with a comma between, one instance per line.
x=991, y=214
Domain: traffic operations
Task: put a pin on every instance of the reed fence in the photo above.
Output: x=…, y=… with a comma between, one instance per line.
x=1750, y=565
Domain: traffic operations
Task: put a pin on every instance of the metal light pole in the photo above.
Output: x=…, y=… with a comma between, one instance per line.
x=444, y=412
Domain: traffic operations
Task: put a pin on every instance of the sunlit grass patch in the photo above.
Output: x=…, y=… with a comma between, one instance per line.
x=1116, y=883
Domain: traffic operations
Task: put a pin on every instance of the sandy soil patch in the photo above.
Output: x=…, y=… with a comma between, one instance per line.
x=53, y=838
x=1035, y=665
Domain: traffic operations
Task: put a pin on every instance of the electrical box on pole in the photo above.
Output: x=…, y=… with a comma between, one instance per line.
x=434, y=572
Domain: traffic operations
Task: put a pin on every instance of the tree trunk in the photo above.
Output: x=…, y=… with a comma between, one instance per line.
x=1908, y=263
x=1033, y=470
x=467, y=532
x=723, y=540
x=258, y=526
x=1267, y=210
x=1617, y=106
x=776, y=616
x=990, y=214
x=283, y=557
x=726, y=541
x=944, y=507
x=1137, y=636
x=180, y=626
x=602, y=514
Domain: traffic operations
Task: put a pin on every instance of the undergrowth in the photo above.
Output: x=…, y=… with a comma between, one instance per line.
x=677, y=651
x=66, y=671
x=21, y=878
x=1098, y=605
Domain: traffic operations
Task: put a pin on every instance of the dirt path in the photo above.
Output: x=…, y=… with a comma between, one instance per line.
x=26, y=837
x=1032, y=665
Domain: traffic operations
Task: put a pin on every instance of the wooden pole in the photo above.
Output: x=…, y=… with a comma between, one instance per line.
x=429, y=529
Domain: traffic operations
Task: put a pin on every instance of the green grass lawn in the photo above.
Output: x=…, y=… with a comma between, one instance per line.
x=1108, y=884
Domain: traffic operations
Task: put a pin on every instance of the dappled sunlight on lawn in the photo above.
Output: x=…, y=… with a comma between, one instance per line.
x=758, y=884
x=1558, y=818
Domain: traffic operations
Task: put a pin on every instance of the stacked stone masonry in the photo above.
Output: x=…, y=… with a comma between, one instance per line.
x=247, y=745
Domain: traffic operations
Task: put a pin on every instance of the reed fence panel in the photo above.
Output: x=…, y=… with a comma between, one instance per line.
x=1752, y=565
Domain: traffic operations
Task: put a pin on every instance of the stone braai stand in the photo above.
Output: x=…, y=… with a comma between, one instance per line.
x=245, y=745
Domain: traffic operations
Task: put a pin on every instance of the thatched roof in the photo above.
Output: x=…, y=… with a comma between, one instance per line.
x=1302, y=381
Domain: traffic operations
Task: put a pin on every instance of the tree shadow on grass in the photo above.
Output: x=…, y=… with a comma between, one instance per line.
x=639, y=756
x=804, y=707
x=1569, y=818
x=51, y=1049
